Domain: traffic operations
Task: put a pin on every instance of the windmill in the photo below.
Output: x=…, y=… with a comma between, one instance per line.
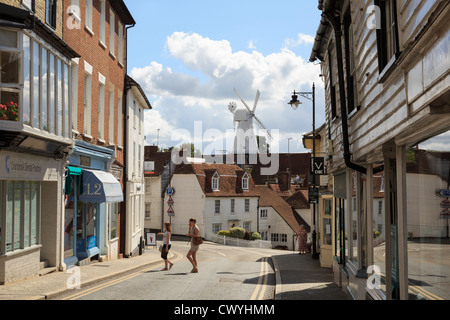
x=245, y=139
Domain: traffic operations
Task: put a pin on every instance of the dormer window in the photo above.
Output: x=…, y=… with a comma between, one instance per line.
x=245, y=181
x=215, y=182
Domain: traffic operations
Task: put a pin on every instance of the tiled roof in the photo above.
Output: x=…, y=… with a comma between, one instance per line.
x=269, y=198
x=298, y=200
x=230, y=182
x=159, y=158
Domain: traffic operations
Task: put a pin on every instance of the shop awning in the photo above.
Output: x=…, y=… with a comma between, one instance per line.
x=100, y=186
x=74, y=171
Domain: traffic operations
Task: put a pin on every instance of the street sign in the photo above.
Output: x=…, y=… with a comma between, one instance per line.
x=444, y=193
x=170, y=202
x=445, y=214
x=445, y=204
x=170, y=191
x=313, y=195
x=318, y=166
x=171, y=212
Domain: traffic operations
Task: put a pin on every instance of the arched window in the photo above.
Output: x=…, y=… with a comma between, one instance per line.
x=215, y=182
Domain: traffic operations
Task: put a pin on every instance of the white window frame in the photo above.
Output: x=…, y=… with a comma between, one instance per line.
x=111, y=115
x=246, y=205
x=88, y=18
x=101, y=107
x=102, y=32
x=112, y=33
x=245, y=181
x=215, y=182
x=87, y=98
x=263, y=213
x=119, y=120
x=121, y=40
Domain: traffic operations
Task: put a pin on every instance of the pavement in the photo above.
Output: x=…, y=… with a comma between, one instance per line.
x=298, y=277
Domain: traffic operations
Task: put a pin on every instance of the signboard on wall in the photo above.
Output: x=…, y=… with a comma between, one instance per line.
x=14, y=166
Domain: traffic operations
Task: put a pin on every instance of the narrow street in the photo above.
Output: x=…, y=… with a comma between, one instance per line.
x=225, y=273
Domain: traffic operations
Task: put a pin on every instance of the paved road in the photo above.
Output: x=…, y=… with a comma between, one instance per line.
x=225, y=273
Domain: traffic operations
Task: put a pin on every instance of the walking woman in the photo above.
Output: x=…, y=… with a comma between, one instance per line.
x=194, y=233
x=166, y=245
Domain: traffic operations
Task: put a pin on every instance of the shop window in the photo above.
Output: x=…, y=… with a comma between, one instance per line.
x=22, y=215
x=114, y=216
x=379, y=230
x=428, y=213
x=340, y=233
x=327, y=222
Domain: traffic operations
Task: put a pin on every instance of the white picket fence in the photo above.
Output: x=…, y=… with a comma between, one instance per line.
x=235, y=242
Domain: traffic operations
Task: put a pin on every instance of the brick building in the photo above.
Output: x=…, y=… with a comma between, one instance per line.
x=97, y=29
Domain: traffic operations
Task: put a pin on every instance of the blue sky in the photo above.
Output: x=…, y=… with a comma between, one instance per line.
x=189, y=55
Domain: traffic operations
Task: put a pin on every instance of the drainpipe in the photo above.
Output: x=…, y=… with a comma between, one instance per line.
x=329, y=13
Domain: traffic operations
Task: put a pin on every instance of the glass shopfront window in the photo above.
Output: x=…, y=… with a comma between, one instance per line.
x=22, y=215
x=379, y=229
x=114, y=224
x=428, y=213
x=340, y=233
x=327, y=222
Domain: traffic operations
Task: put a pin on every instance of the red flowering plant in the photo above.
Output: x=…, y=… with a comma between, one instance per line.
x=10, y=111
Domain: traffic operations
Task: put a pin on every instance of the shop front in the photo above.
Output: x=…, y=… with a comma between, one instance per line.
x=90, y=195
x=30, y=212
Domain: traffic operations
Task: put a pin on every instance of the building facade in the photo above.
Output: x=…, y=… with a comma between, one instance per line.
x=136, y=104
x=97, y=29
x=35, y=136
x=386, y=68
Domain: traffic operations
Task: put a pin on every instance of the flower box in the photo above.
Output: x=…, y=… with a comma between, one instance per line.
x=9, y=111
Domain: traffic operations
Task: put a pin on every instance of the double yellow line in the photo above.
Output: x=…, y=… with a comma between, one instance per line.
x=425, y=293
x=261, y=286
x=116, y=281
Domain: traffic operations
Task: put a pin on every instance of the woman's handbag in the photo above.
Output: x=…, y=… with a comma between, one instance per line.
x=197, y=241
x=160, y=248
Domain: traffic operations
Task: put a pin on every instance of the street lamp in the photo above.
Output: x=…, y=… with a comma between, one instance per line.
x=294, y=104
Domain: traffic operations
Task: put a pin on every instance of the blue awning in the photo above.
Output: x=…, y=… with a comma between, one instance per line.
x=100, y=186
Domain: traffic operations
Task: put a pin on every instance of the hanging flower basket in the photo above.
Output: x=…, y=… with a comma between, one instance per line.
x=9, y=111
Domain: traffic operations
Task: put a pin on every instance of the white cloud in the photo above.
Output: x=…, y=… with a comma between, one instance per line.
x=180, y=99
x=302, y=39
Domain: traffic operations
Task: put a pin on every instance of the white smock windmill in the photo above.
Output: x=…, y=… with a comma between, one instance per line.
x=245, y=139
